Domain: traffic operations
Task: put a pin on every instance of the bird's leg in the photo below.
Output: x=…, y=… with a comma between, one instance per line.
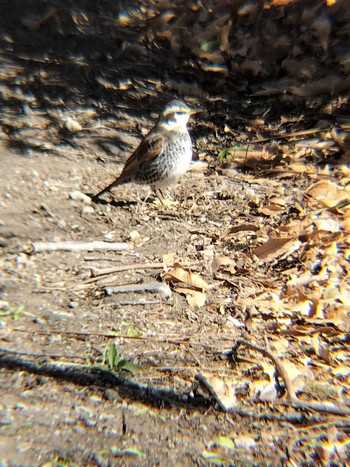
x=148, y=195
x=160, y=195
x=140, y=209
x=166, y=200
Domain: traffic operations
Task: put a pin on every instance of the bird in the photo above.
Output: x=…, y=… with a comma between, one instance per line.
x=163, y=155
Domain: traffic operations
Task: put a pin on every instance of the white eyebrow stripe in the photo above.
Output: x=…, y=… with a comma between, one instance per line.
x=177, y=109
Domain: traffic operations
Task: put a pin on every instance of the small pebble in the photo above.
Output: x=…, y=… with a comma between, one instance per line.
x=88, y=210
x=4, y=306
x=79, y=196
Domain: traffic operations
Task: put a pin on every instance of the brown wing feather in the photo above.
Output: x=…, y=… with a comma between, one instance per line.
x=150, y=148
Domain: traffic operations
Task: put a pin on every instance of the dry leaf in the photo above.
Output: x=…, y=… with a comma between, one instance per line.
x=213, y=57
x=281, y=2
x=222, y=441
x=194, y=298
x=239, y=228
x=327, y=193
x=271, y=210
x=277, y=246
x=223, y=391
x=235, y=322
x=223, y=262
x=327, y=222
x=300, y=167
x=257, y=122
x=179, y=274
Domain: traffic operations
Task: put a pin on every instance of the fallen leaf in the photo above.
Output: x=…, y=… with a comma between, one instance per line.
x=277, y=246
x=194, y=298
x=298, y=167
x=271, y=210
x=179, y=274
x=327, y=222
x=223, y=262
x=239, y=228
x=325, y=193
x=222, y=390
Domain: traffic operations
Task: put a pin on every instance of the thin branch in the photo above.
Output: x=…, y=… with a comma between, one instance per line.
x=293, y=134
x=140, y=302
x=185, y=347
x=319, y=406
x=38, y=247
x=129, y=267
x=158, y=287
x=277, y=362
x=316, y=406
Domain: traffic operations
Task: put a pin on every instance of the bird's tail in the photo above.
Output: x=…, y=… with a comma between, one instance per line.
x=108, y=188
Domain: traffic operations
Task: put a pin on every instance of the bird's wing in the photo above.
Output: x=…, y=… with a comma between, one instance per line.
x=150, y=148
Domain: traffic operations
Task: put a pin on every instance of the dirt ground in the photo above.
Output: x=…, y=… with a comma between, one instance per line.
x=79, y=87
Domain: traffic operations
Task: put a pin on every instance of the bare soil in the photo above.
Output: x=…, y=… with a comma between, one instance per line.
x=78, y=91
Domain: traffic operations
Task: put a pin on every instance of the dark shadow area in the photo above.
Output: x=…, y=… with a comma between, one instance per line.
x=127, y=389
x=112, y=201
x=123, y=60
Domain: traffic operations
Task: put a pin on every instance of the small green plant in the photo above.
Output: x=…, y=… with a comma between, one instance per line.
x=62, y=461
x=211, y=45
x=111, y=358
x=132, y=332
x=225, y=155
x=14, y=312
x=112, y=361
x=17, y=311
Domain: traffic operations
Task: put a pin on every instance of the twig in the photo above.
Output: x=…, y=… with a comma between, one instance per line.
x=102, y=258
x=128, y=267
x=317, y=406
x=277, y=362
x=159, y=287
x=141, y=302
x=185, y=347
x=38, y=247
x=289, y=135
